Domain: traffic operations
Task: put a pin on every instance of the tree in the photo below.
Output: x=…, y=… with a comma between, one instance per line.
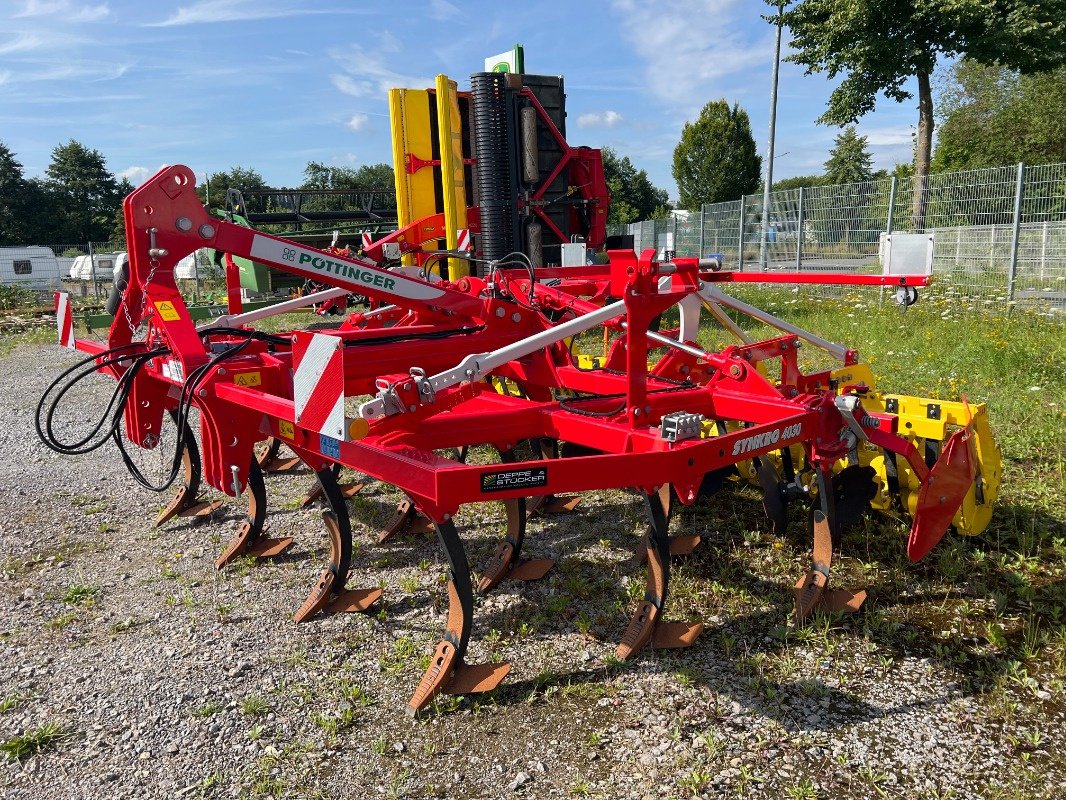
x=991, y=116
x=716, y=158
x=243, y=179
x=805, y=181
x=633, y=197
x=849, y=160
x=83, y=194
x=368, y=176
x=879, y=44
x=14, y=194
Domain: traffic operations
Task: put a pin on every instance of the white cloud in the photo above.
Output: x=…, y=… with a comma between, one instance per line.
x=136, y=175
x=689, y=48
x=358, y=122
x=596, y=119
x=369, y=74
x=886, y=137
x=22, y=43
x=442, y=10
x=69, y=12
x=213, y=11
x=5, y=76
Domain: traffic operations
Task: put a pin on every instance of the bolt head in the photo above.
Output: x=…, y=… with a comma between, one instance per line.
x=183, y=224
x=206, y=231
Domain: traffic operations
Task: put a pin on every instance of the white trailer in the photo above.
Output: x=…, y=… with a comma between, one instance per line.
x=33, y=267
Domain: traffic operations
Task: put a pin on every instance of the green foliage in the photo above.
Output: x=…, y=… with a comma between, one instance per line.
x=34, y=741
x=244, y=179
x=805, y=181
x=877, y=45
x=14, y=296
x=321, y=176
x=633, y=197
x=716, y=159
x=83, y=194
x=993, y=116
x=849, y=160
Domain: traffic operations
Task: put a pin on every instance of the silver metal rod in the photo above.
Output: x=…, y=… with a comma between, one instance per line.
x=231, y=320
x=711, y=294
x=478, y=365
x=724, y=320
x=769, y=178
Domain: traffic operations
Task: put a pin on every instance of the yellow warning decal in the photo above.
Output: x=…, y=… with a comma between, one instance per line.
x=248, y=379
x=167, y=311
x=285, y=429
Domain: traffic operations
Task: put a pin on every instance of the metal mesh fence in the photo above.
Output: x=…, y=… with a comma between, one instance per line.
x=999, y=233
x=86, y=270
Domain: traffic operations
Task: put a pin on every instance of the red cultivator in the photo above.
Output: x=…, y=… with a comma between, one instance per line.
x=447, y=366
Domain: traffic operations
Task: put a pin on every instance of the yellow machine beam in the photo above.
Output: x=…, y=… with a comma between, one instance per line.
x=410, y=115
x=453, y=179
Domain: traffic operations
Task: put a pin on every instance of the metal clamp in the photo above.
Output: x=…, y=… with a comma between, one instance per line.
x=389, y=401
x=846, y=405
x=424, y=385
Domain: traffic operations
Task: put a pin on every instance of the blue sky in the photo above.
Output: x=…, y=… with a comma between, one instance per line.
x=273, y=84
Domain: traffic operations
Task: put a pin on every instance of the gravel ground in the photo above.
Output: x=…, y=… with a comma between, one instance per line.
x=166, y=678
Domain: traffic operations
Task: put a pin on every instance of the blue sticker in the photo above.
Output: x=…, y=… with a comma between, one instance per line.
x=330, y=447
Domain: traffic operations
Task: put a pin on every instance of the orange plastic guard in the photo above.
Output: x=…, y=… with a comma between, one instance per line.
x=942, y=495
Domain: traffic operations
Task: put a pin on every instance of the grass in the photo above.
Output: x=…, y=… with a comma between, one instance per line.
x=38, y=740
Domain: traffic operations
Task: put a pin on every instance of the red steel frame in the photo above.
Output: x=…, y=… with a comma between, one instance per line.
x=250, y=396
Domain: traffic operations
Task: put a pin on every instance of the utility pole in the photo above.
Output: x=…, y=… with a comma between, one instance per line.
x=769, y=173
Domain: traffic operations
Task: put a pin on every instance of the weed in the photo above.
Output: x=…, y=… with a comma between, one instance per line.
x=80, y=594
x=32, y=742
x=254, y=706
x=208, y=709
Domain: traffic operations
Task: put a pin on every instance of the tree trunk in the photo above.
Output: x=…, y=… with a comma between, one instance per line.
x=923, y=151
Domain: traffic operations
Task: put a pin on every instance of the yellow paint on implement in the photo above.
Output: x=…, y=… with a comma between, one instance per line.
x=409, y=113
x=453, y=180
x=286, y=429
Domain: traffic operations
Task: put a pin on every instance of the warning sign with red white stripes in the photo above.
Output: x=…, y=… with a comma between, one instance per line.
x=367, y=240
x=462, y=237
x=318, y=383
x=64, y=320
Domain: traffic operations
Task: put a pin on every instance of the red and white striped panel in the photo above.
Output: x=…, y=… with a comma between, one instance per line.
x=64, y=320
x=318, y=382
x=462, y=237
x=367, y=240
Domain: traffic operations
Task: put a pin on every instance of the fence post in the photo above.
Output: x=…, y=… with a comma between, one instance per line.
x=891, y=205
x=740, y=233
x=1013, y=270
x=700, y=253
x=92, y=271
x=799, y=231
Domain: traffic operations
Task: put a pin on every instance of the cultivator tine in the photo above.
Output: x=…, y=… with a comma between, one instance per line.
x=329, y=593
x=447, y=671
x=679, y=545
x=812, y=590
x=550, y=503
x=646, y=624
x=942, y=494
x=249, y=540
x=506, y=562
x=185, y=502
x=271, y=461
x=347, y=490
x=407, y=519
